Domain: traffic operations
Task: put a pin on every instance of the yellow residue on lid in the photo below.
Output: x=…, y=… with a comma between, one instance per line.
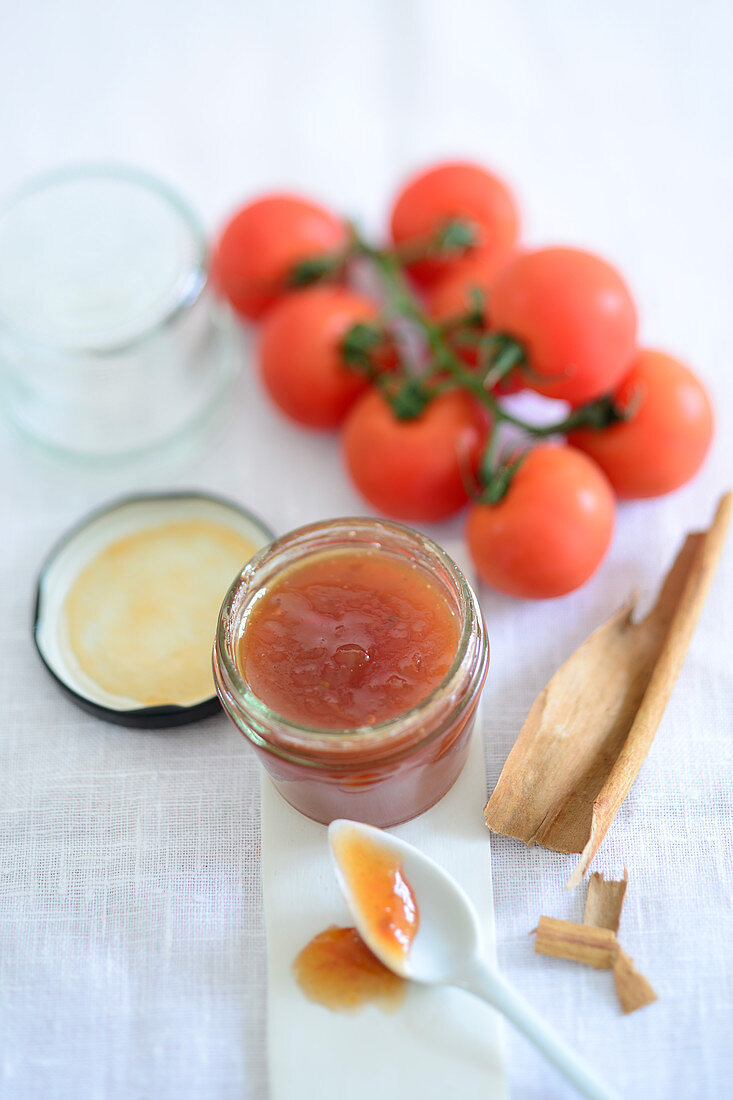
x=141, y=616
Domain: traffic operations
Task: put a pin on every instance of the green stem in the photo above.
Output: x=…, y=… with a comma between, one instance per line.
x=490, y=457
x=498, y=480
x=597, y=414
x=401, y=301
x=510, y=354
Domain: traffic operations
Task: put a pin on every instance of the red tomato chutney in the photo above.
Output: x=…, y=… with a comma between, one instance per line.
x=352, y=654
x=382, y=894
x=336, y=968
x=348, y=638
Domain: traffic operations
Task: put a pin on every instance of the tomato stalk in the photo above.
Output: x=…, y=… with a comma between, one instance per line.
x=501, y=354
x=498, y=356
x=497, y=479
x=473, y=318
x=453, y=238
x=401, y=301
x=498, y=353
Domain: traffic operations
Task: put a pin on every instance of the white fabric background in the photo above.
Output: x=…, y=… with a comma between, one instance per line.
x=132, y=944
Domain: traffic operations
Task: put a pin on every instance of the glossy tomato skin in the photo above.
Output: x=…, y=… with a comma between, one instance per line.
x=575, y=317
x=263, y=241
x=455, y=189
x=300, y=354
x=665, y=441
x=451, y=296
x=550, y=532
x=412, y=469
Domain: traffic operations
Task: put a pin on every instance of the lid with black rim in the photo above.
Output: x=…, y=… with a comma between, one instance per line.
x=127, y=605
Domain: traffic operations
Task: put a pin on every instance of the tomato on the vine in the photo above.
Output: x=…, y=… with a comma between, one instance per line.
x=300, y=354
x=666, y=438
x=451, y=297
x=449, y=192
x=264, y=241
x=414, y=469
x=573, y=315
x=551, y=530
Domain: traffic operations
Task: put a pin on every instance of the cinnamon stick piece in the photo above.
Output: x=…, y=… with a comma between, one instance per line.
x=563, y=939
x=633, y=990
x=589, y=730
x=604, y=901
x=594, y=941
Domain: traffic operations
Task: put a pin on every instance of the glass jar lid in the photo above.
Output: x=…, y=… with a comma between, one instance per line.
x=127, y=605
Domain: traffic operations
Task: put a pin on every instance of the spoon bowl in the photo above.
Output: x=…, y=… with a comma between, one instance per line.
x=448, y=935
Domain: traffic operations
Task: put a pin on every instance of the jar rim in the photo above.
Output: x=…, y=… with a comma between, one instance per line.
x=120, y=172
x=301, y=735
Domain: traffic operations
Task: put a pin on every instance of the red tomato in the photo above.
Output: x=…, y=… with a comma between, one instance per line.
x=575, y=317
x=665, y=442
x=451, y=296
x=446, y=192
x=412, y=469
x=300, y=356
x=261, y=244
x=550, y=532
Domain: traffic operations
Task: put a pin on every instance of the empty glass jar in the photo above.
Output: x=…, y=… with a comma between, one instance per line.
x=111, y=342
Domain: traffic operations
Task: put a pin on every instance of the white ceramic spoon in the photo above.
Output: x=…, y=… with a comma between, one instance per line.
x=447, y=950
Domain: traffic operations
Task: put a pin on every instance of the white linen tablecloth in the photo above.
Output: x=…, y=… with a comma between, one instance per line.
x=131, y=934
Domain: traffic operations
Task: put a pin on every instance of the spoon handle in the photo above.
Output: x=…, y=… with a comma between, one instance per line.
x=486, y=983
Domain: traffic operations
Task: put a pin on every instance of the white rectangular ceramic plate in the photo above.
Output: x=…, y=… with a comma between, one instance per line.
x=440, y=1042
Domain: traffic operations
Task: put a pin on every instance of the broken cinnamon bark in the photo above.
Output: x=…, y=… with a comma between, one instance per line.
x=633, y=990
x=604, y=901
x=594, y=941
x=563, y=939
x=589, y=730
